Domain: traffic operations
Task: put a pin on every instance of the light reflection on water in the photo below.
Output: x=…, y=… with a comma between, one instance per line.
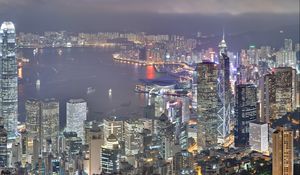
x=69, y=75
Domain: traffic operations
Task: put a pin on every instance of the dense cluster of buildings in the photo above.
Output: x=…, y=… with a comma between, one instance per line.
x=240, y=114
x=67, y=39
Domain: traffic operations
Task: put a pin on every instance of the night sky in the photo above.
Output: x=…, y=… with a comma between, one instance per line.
x=235, y=7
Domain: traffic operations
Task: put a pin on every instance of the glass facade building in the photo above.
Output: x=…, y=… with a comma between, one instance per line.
x=8, y=77
x=245, y=112
x=76, y=115
x=50, y=124
x=208, y=105
x=259, y=136
x=110, y=157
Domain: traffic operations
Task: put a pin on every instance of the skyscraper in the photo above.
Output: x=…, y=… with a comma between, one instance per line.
x=95, y=143
x=50, y=124
x=113, y=126
x=283, y=152
x=287, y=56
x=222, y=46
x=185, y=110
x=208, y=105
x=284, y=84
x=267, y=98
x=288, y=44
x=224, y=91
x=8, y=77
x=33, y=113
x=245, y=112
x=42, y=122
x=33, y=126
x=194, y=90
x=259, y=136
x=132, y=130
x=110, y=155
x=3, y=144
x=76, y=115
x=225, y=96
x=159, y=105
x=278, y=93
x=183, y=162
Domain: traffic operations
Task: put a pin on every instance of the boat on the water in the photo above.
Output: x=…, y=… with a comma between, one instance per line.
x=59, y=51
x=35, y=51
x=69, y=45
x=38, y=84
x=90, y=90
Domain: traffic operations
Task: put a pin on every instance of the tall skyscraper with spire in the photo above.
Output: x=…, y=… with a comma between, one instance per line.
x=8, y=77
x=222, y=46
x=224, y=91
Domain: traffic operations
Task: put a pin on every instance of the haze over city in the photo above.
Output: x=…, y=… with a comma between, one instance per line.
x=149, y=87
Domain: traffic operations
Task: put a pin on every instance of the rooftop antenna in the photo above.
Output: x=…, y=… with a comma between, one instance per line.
x=223, y=36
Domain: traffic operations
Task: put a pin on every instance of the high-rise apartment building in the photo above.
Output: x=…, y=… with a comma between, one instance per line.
x=283, y=152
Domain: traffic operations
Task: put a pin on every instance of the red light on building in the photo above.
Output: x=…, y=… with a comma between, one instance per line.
x=150, y=72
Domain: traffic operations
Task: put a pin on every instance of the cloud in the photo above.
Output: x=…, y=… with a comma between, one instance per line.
x=163, y=6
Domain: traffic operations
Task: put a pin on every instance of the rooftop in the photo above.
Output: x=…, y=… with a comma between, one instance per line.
x=76, y=101
x=7, y=25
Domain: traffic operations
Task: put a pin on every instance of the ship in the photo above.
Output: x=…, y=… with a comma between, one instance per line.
x=116, y=56
x=38, y=84
x=69, y=45
x=90, y=90
x=109, y=92
x=25, y=60
x=59, y=51
x=35, y=51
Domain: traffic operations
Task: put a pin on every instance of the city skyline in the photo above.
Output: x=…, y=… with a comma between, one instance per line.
x=226, y=103
x=149, y=87
x=92, y=16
